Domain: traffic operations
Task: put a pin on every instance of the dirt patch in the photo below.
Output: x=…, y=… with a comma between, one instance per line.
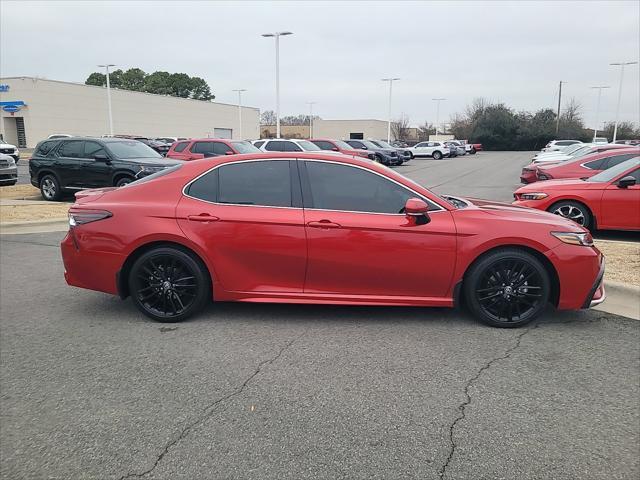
x=20, y=192
x=623, y=261
x=33, y=212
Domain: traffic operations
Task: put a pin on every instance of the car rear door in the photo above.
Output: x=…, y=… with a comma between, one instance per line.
x=69, y=163
x=95, y=173
x=360, y=243
x=179, y=151
x=248, y=218
x=620, y=207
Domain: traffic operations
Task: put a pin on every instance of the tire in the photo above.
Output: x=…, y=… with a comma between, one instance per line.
x=575, y=211
x=159, y=295
x=50, y=188
x=472, y=151
x=524, y=296
x=122, y=181
x=437, y=155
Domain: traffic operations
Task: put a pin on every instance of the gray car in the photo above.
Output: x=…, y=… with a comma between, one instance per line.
x=8, y=170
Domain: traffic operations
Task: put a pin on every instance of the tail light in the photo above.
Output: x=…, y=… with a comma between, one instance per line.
x=81, y=216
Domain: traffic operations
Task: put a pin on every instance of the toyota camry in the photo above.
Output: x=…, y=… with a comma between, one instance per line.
x=315, y=228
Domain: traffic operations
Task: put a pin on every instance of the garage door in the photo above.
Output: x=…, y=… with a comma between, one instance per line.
x=222, y=132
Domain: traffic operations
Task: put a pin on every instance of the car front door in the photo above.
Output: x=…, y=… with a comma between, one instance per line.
x=360, y=243
x=247, y=216
x=96, y=167
x=421, y=150
x=69, y=163
x=620, y=207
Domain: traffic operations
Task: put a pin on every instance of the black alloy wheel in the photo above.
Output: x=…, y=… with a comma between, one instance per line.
x=168, y=284
x=508, y=288
x=50, y=188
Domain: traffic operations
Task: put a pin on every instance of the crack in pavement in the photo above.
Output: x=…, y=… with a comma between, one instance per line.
x=210, y=409
x=462, y=407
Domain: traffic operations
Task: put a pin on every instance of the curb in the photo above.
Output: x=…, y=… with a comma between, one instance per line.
x=622, y=299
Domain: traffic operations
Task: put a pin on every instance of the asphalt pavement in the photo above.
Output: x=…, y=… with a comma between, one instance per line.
x=90, y=388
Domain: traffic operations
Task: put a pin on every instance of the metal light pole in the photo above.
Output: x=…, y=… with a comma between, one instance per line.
x=109, y=96
x=240, y=90
x=595, y=130
x=311, y=104
x=559, y=100
x=438, y=100
x=621, y=64
x=277, y=36
x=390, y=80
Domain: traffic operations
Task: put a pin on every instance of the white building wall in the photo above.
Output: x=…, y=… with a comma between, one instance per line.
x=77, y=109
x=342, y=129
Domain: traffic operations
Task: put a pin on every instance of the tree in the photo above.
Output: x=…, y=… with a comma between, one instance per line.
x=626, y=131
x=200, y=89
x=425, y=130
x=96, y=78
x=268, y=117
x=158, y=83
x=133, y=79
x=400, y=128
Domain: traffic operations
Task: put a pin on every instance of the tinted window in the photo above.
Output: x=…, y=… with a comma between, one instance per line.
x=307, y=146
x=356, y=144
x=45, y=147
x=340, y=187
x=292, y=147
x=180, y=146
x=255, y=183
x=91, y=149
x=220, y=148
x=245, y=147
x=636, y=174
x=276, y=146
x=206, y=148
x=205, y=187
x=258, y=144
x=616, y=160
x=595, y=164
x=72, y=149
x=131, y=149
x=323, y=145
x=613, y=172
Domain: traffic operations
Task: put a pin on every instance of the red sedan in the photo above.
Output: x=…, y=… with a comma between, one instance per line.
x=609, y=200
x=586, y=167
x=324, y=229
x=209, y=147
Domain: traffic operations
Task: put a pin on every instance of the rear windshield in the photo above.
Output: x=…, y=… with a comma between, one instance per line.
x=131, y=149
x=343, y=145
x=308, y=146
x=245, y=147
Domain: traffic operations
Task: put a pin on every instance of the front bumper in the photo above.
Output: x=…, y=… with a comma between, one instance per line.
x=8, y=175
x=597, y=295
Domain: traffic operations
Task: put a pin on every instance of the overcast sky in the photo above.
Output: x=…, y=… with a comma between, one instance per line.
x=513, y=52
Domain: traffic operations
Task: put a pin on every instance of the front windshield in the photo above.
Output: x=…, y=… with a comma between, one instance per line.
x=308, y=146
x=369, y=145
x=383, y=144
x=613, y=172
x=572, y=148
x=131, y=149
x=581, y=151
x=245, y=147
x=343, y=145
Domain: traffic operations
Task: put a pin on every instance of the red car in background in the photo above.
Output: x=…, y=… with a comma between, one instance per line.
x=332, y=145
x=587, y=166
x=320, y=228
x=196, y=149
x=609, y=200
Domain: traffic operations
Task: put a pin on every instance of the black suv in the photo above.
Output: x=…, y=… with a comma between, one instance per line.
x=71, y=164
x=386, y=156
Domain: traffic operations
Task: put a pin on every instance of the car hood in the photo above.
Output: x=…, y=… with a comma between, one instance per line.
x=7, y=145
x=153, y=161
x=571, y=184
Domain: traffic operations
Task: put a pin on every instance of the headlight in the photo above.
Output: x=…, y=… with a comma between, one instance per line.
x=11, y=162
x=582, y=239
x=533, y=196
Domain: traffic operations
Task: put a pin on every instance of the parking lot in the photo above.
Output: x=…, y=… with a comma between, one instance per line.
x=283, y=391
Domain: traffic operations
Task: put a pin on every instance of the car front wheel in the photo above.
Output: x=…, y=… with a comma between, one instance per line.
x=123, y=181
x=50, y=188
x=168, y=284
x=507, y=288
x=573, y=211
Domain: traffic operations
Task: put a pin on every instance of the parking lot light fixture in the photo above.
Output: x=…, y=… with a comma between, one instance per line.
x=438, y=100
x=595, y=130
x=311, y=104
x=106, y=67
x=621, y=65
x=390, y=80
x=240, y=90
x=277, y=36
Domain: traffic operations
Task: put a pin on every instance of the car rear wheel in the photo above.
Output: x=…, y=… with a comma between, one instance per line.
x=50, y=188
x=168, y=284
x=507, y=288
x=437, y=155
x=472, y=151
x=573, y=211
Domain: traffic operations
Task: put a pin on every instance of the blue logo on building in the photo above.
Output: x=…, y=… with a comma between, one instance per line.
x=11, y=108
x=4, y=87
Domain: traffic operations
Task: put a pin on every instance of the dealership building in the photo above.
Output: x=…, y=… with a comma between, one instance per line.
x=31, y=109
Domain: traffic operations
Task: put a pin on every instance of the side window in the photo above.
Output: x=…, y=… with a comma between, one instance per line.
x=205, y=187
x=258, y=144
x=91, y=149
x=323, y=145
x=44, y=148
x=180, y=147
x=220, y=148
x=636, y=174
x=292, y=147
x=613, y=161
x=422, y=144
x=341, y=187
x=275, y=146
x=356, y=144
x=206, y=148
x=266, y=183
x=73, y=149
x=595, y=164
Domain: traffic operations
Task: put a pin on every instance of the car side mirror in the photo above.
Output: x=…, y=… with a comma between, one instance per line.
x=101, y=157
x=335, y=149
x=229, y=152
x=626, y=182
x=417, y=209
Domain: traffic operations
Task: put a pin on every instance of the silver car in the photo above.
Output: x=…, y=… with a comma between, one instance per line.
x=8, y=170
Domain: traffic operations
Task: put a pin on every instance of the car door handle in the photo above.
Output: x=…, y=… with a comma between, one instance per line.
x=323, y=224
x=203, y=217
